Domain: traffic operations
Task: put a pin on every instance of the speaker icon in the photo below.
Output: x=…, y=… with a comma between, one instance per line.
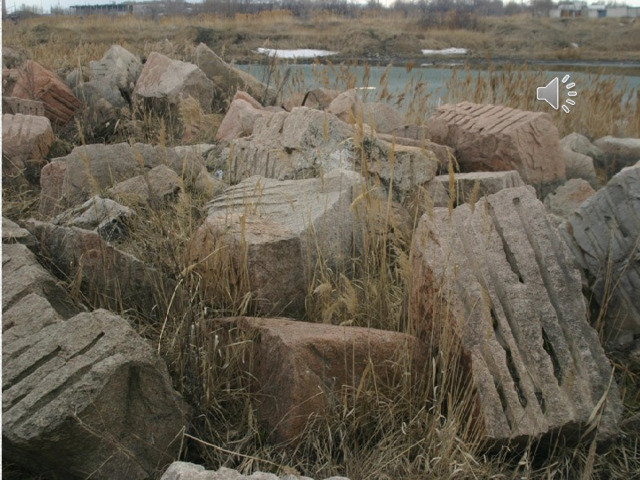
x=550, y=93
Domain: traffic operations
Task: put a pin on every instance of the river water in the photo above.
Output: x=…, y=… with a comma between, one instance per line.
x=435, y=78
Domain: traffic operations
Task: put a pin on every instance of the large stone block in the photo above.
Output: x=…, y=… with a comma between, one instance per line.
x=617, y=153
x=604, y=235
x=497, y=277
x=92, y=169
x=119, y=67
x=164, y=83
x=227, y=79
x=88, y=397
x=34, y=82
x=26, y=140
x=272, y=234
x=107, y=277
x=304, y=370
x=497, y=138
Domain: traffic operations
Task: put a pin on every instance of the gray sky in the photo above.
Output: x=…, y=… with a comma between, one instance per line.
x=47, y=4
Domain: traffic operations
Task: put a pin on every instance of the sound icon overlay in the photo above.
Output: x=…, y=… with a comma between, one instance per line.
x=550, y=93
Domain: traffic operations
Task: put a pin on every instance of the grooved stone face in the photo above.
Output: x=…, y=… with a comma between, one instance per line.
x=34, y=82
x=501, y=275
x=495, y=138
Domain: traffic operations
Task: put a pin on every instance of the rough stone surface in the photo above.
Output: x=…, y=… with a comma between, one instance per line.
x=157, y=187
x=108, y=218
x=106, y=276
x=190, y=471
x=579, y=166
x=92, y=169
x=580, y=144
x=276, y=231
x=16, y=105
x=411, y=166
x=474, y=185
x=240, y=119
x=28, y=277
x=618, y=153
x=382, y=117
x=496, y=138
x=295, y=145
x=26, y=140
x=501, y=280
x=603, y=234
x=26, y=136
x=34, y=82
x=303, y=370
x=348, y=107
x=227, y=79
x=119, y=67
x=164, y=83
x=12, y=57
x=88, y=397
x=14, y=233
x=568, y=197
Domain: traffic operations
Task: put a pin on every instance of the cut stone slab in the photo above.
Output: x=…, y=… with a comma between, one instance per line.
x=157, y=187
x=26, y=140
x=295, y=145
x=579, y=166
x=14, y=233
x=16, y=105
x=618, y=153
x=22, y=276
x=34, y=82
x=240, y=119
x=88, y=397
x=496, y=138
x=567, y=198
x=227, y=79
x=164, y=83
x=411, y=167
x=382, y=117
x=603, y=234
x=273, y=233
x=106, y=276
x=108, y=218
x=303, y=370
x=119, y=67
x=580, y=144
x=474, y=185
x=93, y=169
x=500, y=279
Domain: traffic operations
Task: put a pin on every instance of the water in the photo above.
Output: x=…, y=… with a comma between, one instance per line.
x=304, y=77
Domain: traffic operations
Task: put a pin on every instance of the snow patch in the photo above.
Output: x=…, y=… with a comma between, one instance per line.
x=299, y=53
x=446, y=51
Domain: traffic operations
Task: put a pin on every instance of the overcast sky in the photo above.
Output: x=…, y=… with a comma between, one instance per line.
x=46, y=5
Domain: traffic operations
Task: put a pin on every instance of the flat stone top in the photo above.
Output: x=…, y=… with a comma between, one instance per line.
x=295, y=332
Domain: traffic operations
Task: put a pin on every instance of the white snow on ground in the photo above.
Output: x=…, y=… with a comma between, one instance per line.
x=299, y=53
x=446, y=51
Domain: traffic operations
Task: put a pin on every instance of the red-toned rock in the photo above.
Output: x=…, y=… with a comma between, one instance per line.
x=497, y=138
x=240, y=118
x=34, y=82
x=303, y=370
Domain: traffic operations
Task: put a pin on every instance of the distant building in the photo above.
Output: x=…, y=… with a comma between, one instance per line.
x=106, y=9
x=596, y=10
